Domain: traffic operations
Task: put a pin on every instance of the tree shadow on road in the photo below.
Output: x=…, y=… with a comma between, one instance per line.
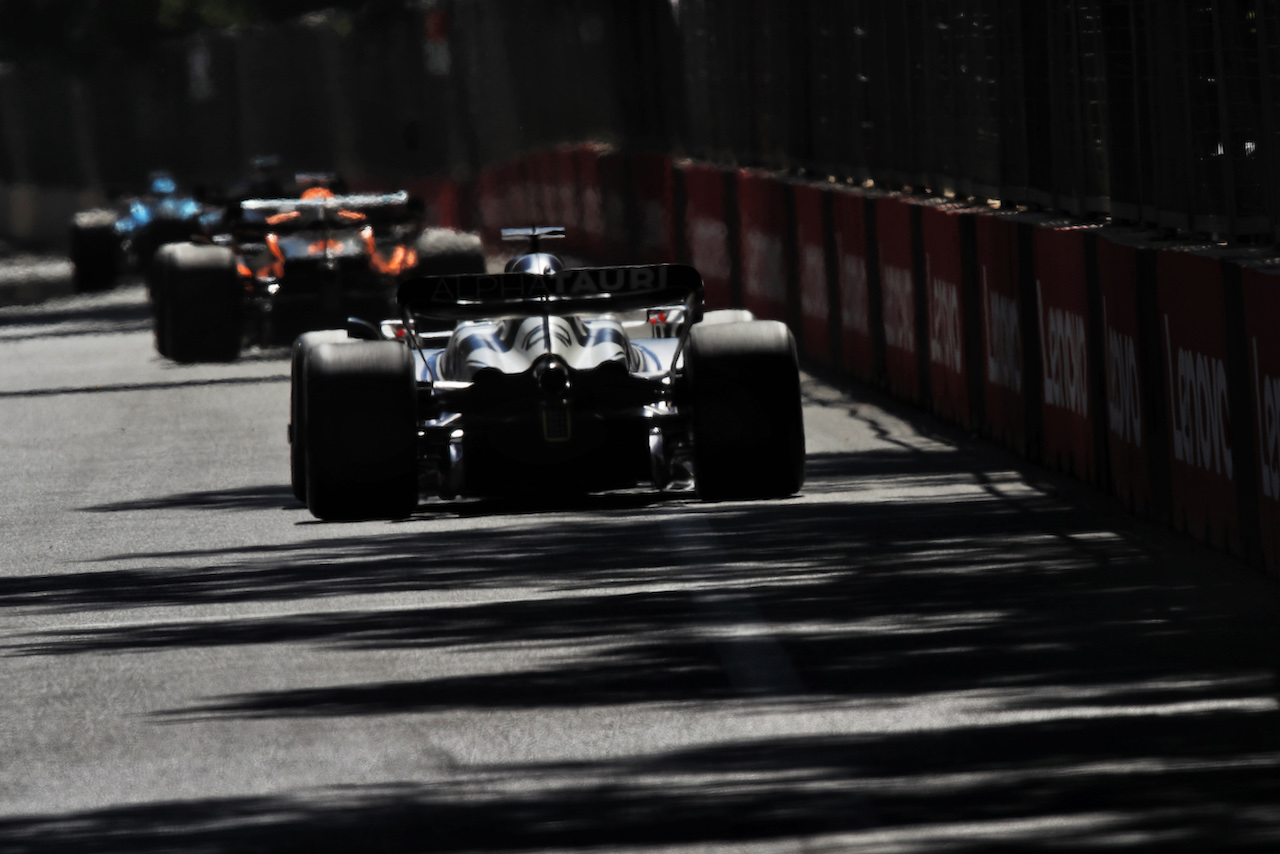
x=1022, y=676
x=1023, y=787
x=245, y=499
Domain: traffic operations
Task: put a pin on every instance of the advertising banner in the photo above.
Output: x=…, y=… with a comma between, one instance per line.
x=567, y=203
x=1003, y=358
x=1261, y=309
x=441, y=198
x=762, y=217
x=814, y=334
x=849, y=230
x=945, y=297
x=651, y=193
x=523, y=201
x=491, y=200
x=615, y=243
x=707, y=231
x=586, y=166
x=898, y=297
x=553, y=188
x=1062, y=311
x=545, y=201
x=1193, y=324
x=1127, y=422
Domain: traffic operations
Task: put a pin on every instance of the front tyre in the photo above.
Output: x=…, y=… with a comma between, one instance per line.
x=361, y=436
x=747, y=424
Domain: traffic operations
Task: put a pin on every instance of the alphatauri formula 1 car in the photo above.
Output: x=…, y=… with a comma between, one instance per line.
x=280, y=267
x=553, y=380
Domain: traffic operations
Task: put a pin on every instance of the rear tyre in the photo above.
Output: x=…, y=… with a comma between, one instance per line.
x=157, y=278
x=201, y=303
x=95, y=250
x=361, y=436
x=447, y=252
x=747, y=425
x=727, y=315
x=160, y=233
x=298, y=404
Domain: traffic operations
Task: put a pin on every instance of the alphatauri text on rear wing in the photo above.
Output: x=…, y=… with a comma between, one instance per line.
x=580, y=291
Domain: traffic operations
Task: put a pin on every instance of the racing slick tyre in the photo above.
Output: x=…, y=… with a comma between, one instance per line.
x=157, y=278
x=160, y=233
x=94, y=250
x=361, y=436
x=200, y=303
x=447, y=252
x=727, y=315
x=748, y=430
x=298, y=404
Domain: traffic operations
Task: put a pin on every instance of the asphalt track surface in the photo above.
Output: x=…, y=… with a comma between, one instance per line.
x=931, y=649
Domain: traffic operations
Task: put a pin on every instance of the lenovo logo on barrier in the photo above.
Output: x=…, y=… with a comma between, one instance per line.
x=813, y=282
x=1200, y=408
x=854, y=298
x=762, y=264
x=615, y=211
x=944, y=322
x=1266, y=390
x=709, y=246
x=653, y=225
x=899, y=309
x=1004, y=338
x=492, y=207
x=567, y=198
x=592, y=213
x=1064, y=350
x=1124, y=412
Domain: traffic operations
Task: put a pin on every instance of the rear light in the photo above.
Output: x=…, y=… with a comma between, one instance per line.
x=552, y=377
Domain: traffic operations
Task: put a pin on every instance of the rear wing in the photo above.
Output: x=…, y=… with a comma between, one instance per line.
x=535, y=234
x=586, y=290
x=352, y=207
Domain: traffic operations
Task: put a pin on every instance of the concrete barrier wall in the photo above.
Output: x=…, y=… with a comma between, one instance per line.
x=707, y=230
x=900, y=294
x=1003, y=351
x=1145, y=369
x=1133, y=395
x=813, y=290
x=41, y=216
x=766, y=228
x=1067, y=398
x=857, y=290
x=1261, y=299
x=950, y=294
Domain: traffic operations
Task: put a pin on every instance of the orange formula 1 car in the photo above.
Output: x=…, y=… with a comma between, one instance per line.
x=279, y=267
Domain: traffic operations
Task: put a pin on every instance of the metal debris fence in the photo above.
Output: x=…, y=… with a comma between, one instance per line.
x=1154, y=112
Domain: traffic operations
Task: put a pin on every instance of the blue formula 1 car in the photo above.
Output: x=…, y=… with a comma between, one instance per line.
x=553, y=379
x=104, y=242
